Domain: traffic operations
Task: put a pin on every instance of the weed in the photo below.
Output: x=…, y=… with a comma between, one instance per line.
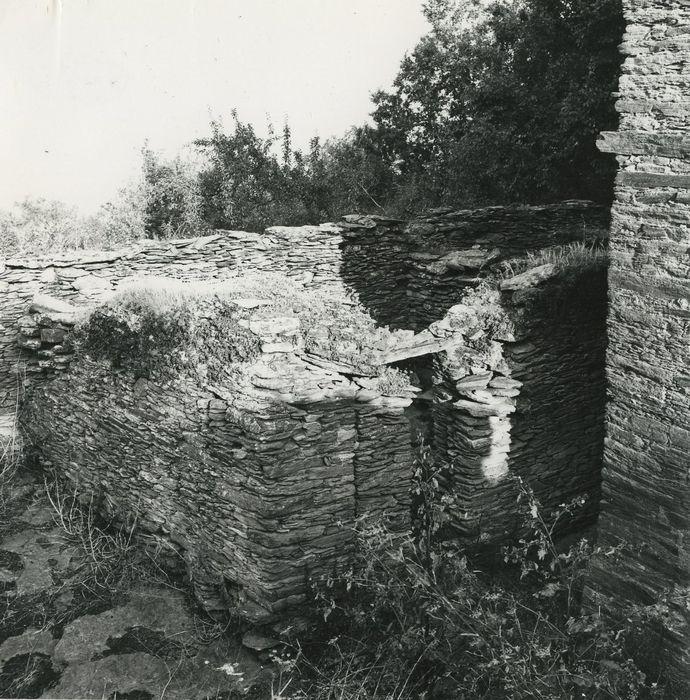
x=415, y=617
x=109, y=552
x=392, y=381
x=571, y=258
x=27, y=676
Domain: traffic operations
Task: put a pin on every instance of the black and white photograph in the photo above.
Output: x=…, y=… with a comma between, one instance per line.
x=345, y=349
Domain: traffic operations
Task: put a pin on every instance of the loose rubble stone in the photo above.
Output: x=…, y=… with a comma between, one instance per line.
x=258, y=642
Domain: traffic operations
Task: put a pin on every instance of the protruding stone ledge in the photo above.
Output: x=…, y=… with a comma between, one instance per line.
x=668, y=145
x=668, y=109
x=642, y=180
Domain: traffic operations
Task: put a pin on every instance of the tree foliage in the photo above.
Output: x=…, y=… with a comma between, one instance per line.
x=38, y=225
x=500, y=102
x=172, y=200
x=505, y=105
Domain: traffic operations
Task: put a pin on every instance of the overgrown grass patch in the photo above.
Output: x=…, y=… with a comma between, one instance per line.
x=417, y=617
x=569, y=259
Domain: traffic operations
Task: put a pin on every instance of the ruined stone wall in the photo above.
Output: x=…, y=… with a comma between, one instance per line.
x=407, y=274
x=502, y=406
x=646, y=483
x=310, y=255
x=256, y=480
x=523, y=396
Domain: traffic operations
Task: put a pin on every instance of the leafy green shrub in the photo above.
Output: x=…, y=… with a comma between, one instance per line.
x=416, y=618
x=504, y=106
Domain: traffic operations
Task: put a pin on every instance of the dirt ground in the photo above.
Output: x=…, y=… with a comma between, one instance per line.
x=78, y=619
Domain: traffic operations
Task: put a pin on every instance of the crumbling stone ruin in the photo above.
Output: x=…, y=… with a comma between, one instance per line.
x=252, y=458
x=255, y=478
x=254, y=463
x=645, y=478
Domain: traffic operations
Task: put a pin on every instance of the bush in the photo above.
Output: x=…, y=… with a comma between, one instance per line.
x=415, y=617
x=163, y=326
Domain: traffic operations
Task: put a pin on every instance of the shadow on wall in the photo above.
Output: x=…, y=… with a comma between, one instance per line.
x=408, y=274
x=525, y=400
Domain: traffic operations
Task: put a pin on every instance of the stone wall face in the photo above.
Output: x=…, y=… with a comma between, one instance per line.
x=308, y=254
x=256, y=481
x=407, y=274
x=258, y=486
x=523, y=396
x=646, y=488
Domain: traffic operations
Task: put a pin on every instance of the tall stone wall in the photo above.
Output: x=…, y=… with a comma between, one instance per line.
x=517, y=392
x=646, y=481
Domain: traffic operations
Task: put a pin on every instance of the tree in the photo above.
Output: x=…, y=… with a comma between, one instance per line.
x=250, y=182
x=122, y=220
x=172, y=200
x=38, y=226
x=504, y=103
x=353, y=175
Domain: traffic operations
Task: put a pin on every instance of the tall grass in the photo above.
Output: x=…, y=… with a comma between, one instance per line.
x=570, y=258
x=418, y=617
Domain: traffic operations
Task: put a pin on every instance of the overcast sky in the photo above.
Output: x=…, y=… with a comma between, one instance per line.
x=84, y=82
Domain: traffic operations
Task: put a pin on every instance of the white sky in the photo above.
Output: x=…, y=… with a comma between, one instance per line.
x=84, y=82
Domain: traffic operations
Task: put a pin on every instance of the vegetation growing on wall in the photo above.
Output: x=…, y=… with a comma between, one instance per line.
x=416, y=618
x=159, y=325
x=569, y=259
x=154, y=328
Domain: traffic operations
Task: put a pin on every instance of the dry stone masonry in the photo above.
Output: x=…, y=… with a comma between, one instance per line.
x=523, y=396
x=255, y=475
x=310, y=255
x=408, y=274
x=646, y=481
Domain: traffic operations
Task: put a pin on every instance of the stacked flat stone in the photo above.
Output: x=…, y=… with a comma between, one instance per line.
x=523, y=395
x=43, y=332
x=645, y=477
x=257, y=479
x=408, y=274
x=309, y=255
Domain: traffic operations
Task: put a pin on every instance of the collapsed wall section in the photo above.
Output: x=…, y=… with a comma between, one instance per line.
x=523, y=397
x=646, y=487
